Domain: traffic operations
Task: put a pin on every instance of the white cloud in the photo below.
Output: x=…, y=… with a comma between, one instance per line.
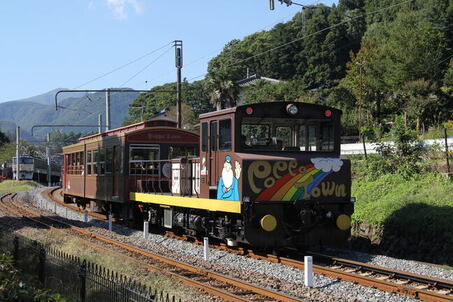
x=119, y=7
x=327, y=164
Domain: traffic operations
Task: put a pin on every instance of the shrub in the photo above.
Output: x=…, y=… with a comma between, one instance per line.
x=13, y=289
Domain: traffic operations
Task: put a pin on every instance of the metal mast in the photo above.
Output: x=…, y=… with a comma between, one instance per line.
x=49, y=170
x=107, y=110
x=17, y=151
x=178, y=61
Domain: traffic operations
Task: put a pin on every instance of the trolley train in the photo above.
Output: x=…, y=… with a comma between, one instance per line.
x=268, y=175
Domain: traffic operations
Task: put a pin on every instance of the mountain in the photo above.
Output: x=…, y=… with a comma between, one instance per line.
x=82, y=110
x=48, y=98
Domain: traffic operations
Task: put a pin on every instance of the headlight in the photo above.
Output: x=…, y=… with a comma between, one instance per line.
x=268, y=223
x=343, y=222
x=292, y=109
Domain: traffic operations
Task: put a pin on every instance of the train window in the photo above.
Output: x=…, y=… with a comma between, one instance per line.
x=182, y=151
x=101, y=162
x=278, y=134
x=302, y=138
x=204, y=137
x=108, y=160
x=283, y=136
x=89, y=163
x=95, y=161
x=225, y=135
x=326, y=137
x=143, y=159
x=26, y=160
x=214, y=136
x=312, y=138
x=255, y=135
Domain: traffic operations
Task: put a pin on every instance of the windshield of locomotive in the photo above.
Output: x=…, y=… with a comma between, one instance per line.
x=280, y=134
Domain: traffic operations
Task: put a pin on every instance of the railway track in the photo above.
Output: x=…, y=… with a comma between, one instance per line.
x=390, y=280
x=225, y=287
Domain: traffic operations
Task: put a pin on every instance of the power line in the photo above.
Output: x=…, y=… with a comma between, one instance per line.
x=146, y=67
x=118, y=68
x=309, y=35
x=438, y=63
x=122, y=66
x=193, y=62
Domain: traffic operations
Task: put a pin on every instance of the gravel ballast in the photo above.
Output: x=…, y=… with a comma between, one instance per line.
x=262, y=272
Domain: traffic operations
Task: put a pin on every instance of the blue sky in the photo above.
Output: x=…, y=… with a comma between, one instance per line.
x=49, y=44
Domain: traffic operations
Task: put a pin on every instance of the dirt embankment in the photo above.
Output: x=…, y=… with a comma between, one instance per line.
x=421, y=246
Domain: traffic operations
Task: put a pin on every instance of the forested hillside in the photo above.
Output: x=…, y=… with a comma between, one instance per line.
x=75, y=109
x=373, y=59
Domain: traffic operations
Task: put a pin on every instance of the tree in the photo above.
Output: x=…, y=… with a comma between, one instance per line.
x=223, y=94
x=13, y=288
x=3, y=138
x=448, y=76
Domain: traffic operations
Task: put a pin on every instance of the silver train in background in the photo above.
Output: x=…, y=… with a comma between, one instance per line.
x=35, y=168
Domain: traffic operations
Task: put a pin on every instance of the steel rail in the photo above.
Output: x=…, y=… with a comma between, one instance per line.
x=186, y=280
x=365, y=279
x=434, y=282
x=248, y=287
x=49, y=195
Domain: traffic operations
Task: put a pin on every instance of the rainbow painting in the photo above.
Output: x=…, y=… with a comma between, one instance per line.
x=299, y=184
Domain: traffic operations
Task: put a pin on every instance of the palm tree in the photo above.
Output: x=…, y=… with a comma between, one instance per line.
x=223, y=94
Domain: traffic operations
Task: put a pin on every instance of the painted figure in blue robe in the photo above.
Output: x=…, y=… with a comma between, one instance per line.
x=228, y=186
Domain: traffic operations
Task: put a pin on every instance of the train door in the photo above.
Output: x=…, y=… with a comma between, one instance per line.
x=213, y=173
x=65, y=172
x=204, y=158
x=116, y=165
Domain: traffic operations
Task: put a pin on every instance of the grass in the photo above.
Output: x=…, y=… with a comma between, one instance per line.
x=436, y=133
x=17, y=185
x=115, y=262
x=421, y=204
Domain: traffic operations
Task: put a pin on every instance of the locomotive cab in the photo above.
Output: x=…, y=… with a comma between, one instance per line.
x=282, y=161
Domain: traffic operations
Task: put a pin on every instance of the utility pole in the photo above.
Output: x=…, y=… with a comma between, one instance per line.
x=49, y=170
x=178, y=62
x=107, y=109
x=360, y=97
x=17, y=151
x=100, y=122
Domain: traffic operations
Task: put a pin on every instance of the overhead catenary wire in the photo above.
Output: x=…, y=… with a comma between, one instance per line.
x=122, y=66
x=199, y=59
x=307, y=36
x=119, y=68
x=438, y=63
x=146, y=67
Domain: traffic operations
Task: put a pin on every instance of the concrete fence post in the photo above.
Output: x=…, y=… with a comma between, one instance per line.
x=308, y=271
x=110, y=221
x=205, y=248
x=145, y=229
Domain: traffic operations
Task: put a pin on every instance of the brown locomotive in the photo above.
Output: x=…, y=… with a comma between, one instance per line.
x=269, y=175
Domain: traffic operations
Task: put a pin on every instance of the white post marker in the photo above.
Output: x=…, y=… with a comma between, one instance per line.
x=85, y=217
x=66, y=213
x=110, y=221
x=206, y=248
x=145, y=229
x=55, y=208
x=308, y=271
